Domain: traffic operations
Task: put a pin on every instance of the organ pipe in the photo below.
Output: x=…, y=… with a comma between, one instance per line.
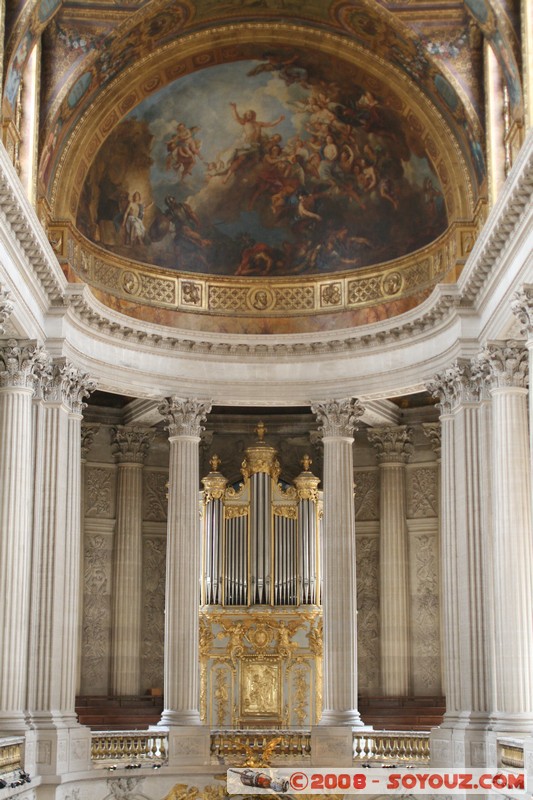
x=260, y=539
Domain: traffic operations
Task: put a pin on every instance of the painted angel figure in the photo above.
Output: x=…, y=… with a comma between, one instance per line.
x=183, y=150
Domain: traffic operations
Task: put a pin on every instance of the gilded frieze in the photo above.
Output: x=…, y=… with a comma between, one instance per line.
x=234, y=298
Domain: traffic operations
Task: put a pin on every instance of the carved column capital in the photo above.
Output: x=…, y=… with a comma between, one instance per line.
x=505, y=363
x=462, y=382
x=338, y=417
x=433, y=432
x=184, y=417
x=393, y=444
x=130, y=444
x=443, y=386
x=68, y=385
x=88, y=432
x=6, y=308
x=23, y=364
x=522, y=308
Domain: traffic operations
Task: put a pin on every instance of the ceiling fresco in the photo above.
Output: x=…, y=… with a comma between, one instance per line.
x=284, y=164
x=193, y=153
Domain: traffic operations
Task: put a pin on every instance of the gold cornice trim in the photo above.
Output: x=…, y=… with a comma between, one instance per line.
x=238, y=297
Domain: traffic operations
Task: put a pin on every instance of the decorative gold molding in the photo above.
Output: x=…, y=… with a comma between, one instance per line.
x=306, y=483
x=290, y=512
x=230, y=296
x=248, y=642
x=260, y=457
x=215, y=483
x=230, y=512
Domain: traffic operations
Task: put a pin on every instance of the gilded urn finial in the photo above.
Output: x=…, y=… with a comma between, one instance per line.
x=306, y=462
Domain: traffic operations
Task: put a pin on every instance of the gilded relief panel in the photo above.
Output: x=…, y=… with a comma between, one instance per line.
x=260, y=669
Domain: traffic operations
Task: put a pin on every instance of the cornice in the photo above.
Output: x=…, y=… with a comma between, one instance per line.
x=88, y=310
x=512, y=205
x=19, y=219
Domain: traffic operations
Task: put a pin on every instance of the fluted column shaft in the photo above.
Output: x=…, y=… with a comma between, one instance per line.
x=444, y=387
x=181, y=679
x=394, y=447
x=513, y=542
x=339, y=597
x=17, y=371
x=467, y=547
x=56, y=550
x=473, y=549
x=130, y=446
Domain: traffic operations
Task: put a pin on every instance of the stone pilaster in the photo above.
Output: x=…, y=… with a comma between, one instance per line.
x=433, y=432
x=130, y=446
x=338, y=419
x=507, y=364
x=60, y=744
x=21, y=364
x=394, y=446
x=88, y=432
x=183, y=418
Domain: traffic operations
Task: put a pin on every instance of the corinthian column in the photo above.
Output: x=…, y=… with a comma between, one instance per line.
x=507, y=363
x=444, y=386
x=183, y=418
x=393, y=447
x=56, y=574
x=338, y=419
x=20, y=366
x=467, y=564
x=129, y=446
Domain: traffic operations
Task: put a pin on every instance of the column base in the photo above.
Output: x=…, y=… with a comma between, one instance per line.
x=172, y=719
x=13, y=723
x=188, y=745
x=520, y=723
x=350, y=718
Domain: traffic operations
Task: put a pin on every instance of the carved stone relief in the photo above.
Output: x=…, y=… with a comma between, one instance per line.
x=368, y=655
x=425, y=617
x=422, y=495
x=155, y=496
x=96, y=613
x=99, y=492
x=153, y=625
x=366, y=496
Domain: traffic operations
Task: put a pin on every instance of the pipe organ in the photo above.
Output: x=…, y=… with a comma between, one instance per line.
x=260, y=620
